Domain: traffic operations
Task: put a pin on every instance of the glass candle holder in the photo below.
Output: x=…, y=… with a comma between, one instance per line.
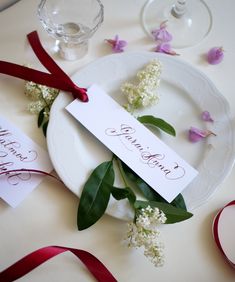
x=72, y=23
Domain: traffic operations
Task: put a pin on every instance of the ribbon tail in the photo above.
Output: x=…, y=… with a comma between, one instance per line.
x=95, y=266
x=29, y=74
x=27, y=264
x=22, y=72
x=36, y=258
x=43, y=56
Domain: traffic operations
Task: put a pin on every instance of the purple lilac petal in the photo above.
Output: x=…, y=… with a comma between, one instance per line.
x=196, y=134
x=117, y=45
x=165, y=48
x=215, y=55
x=161, y=34
x=206, y=116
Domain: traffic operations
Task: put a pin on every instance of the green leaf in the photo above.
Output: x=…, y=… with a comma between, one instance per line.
x=124, y=193
x=157, y=122
x=143, y=187
x=44, y=128
x=172, y=213
x=95, y=195
x=149, y=193
x=179, y=202
x=41, y=117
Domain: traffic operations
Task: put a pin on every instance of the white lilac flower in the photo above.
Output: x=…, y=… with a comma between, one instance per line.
x=144, y=233
x=33, y=92
x=143, y=93
x=36, y=106
x=41, y=96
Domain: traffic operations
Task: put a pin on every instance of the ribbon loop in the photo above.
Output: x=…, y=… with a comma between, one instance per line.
x=81, y=93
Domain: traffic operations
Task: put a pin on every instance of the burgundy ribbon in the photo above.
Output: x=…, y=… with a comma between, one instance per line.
x=216, y=232
x=57, y=77
x=36, y=258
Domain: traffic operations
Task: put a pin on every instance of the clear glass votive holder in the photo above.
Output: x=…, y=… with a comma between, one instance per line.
x=72, y=23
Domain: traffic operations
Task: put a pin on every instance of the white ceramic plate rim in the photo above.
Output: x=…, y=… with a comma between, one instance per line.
x=106, y=72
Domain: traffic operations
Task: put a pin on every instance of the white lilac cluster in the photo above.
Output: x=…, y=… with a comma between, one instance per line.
x=42, y=97
x=144, y=92
x=144, y=233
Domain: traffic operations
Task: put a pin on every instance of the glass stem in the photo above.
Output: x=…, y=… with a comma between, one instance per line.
x=179, y=9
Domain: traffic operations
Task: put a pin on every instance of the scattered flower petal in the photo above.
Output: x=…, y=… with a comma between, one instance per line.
x=117, y=44
x=161, y=34
x=165, y=48
x=196, y=134
x=206, y=116
x=215, y=55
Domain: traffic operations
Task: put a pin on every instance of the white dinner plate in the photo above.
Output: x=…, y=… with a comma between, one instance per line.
x=184, y=94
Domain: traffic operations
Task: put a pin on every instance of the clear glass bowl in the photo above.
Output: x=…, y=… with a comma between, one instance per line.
x=72, y=23
x=188, y=21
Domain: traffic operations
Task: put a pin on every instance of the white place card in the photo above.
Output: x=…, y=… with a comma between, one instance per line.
x=156, y=163
x=17, y=151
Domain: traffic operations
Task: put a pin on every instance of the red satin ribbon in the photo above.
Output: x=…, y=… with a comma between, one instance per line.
x=216, y=232
x=57, y=79
x=36, y=258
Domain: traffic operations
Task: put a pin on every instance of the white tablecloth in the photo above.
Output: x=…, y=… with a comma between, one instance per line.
x=48, y=215
x=6, y=3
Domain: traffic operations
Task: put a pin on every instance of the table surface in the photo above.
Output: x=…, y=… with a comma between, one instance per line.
x=48, y=215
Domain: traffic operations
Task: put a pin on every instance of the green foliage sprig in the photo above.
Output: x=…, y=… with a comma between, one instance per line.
x=99, y=187
x=42, y=98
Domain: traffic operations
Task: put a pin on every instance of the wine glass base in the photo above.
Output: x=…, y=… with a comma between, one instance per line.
x=187, y=30
x=72, y=51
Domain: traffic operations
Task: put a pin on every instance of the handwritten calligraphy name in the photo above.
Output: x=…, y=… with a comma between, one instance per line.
x=11, y=152
x=126, y=135
x=13, y=147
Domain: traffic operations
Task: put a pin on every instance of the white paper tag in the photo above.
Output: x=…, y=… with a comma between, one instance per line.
x=17, y=151
x=133, y=143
